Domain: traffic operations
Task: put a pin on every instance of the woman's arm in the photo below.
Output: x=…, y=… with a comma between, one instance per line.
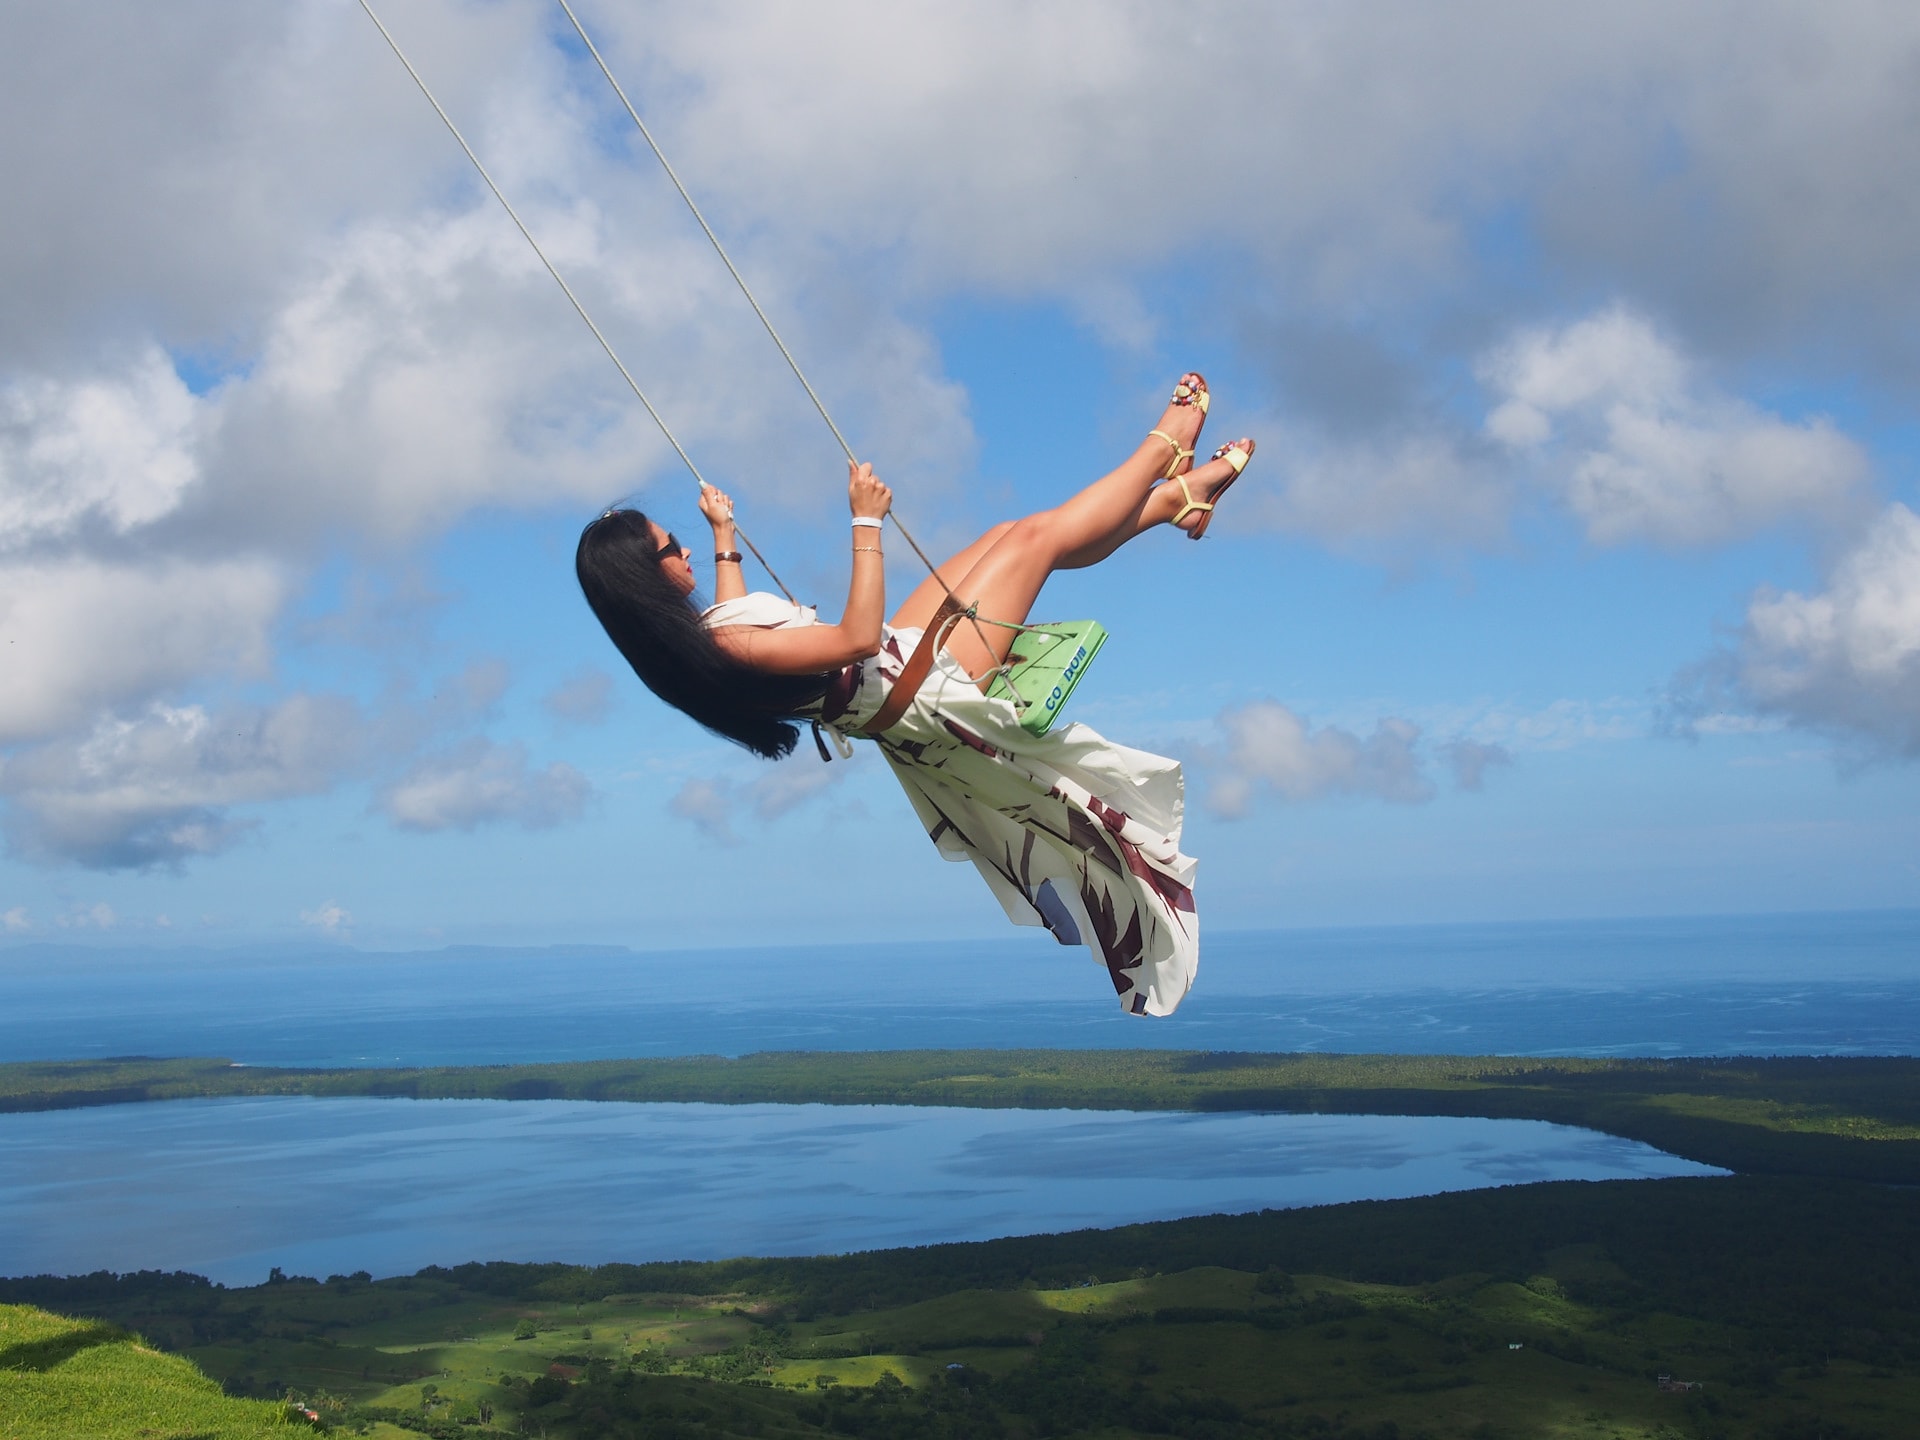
x=818, y=648
x=729, y=581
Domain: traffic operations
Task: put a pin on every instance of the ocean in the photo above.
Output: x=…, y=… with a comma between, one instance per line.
x=1768, y=985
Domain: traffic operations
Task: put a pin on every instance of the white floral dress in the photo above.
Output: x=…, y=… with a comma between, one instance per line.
x=1069, y=830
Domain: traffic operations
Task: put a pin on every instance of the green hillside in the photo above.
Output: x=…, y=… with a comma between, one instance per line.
x=1777, y=1308
x=64, y=1379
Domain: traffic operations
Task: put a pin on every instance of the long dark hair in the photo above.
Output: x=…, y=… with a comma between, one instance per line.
x=659, y=632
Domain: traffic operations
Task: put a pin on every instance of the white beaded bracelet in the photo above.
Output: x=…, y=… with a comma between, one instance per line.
x=873, y=521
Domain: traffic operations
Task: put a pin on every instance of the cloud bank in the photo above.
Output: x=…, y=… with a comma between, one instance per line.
x=158, y=789
x=166, y=785
x=1643, y=453
x=1487, y=258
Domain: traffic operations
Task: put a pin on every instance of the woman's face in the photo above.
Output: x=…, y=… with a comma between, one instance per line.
x=673, y=562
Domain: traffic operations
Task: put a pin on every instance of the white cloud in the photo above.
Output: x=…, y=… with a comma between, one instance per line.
x=1470, y=760
x=192, y=157
x=1559, y=724
x=1641, y=451
x=122, y=449
x=157, y=789
x=429, y=368
x=1752, y=150
x=1271, y=751
x=159, y=784
x=418, y=362
x=1845, y=659
x=80, y=635
x=1610, y=415
x=710, y=802
x=473, y=690
x=583, y=699
x=480, y=782
x=388, y=612
x=15, y=920
x=1733, y=723
x=1744, y=164
x=328, y=917
x=1422, y=490
x=786, y=787
x=97, y=916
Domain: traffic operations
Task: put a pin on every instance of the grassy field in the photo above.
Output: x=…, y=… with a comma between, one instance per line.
x=1824, y=1116
x=63, y=1379
x=1530, y=1311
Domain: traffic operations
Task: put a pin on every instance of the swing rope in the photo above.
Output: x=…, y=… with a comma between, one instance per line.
x=567, y=290
x=740, y=280
x=719, y=249
x=970, y=613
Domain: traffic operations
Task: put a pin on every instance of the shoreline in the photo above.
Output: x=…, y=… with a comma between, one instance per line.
x=1836, y=1117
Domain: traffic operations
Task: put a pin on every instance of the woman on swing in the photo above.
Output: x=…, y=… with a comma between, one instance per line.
x=1069, y=830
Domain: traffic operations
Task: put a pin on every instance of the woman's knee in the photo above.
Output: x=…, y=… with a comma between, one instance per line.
x=1044, y=531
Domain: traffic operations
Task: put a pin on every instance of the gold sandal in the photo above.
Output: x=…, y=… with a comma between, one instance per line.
x=1195, y=394
x=1237, y=455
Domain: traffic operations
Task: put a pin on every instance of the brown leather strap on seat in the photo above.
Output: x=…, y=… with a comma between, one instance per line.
x=918, y=664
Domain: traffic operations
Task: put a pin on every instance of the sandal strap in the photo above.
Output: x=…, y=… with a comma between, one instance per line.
x=1234, y=456
x=1180, y=452
x=1191, y=505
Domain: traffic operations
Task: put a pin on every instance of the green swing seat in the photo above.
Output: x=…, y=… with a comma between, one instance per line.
x=1046, y=666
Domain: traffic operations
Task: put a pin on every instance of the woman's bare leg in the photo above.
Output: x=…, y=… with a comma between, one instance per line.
x=1167, y=500
x=1110, y=508
x=917, y=609
x=1007, y=578
x=1003, y=571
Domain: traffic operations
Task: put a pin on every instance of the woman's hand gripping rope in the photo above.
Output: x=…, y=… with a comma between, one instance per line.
x=717, y=506
x=729, y=582
x=868, y=498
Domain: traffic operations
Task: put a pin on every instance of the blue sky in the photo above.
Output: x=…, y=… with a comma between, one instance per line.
x=1576, y=575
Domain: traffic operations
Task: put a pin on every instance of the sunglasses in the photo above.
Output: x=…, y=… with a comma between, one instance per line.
x=671, y=548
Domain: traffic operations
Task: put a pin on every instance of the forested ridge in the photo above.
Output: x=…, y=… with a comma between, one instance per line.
x=1792, y=1305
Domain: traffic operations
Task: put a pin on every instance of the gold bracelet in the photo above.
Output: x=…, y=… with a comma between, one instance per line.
x=870, y=549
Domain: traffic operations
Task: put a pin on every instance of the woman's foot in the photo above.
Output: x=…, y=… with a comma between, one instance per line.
x=1180, y=426
x=1190, y=498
